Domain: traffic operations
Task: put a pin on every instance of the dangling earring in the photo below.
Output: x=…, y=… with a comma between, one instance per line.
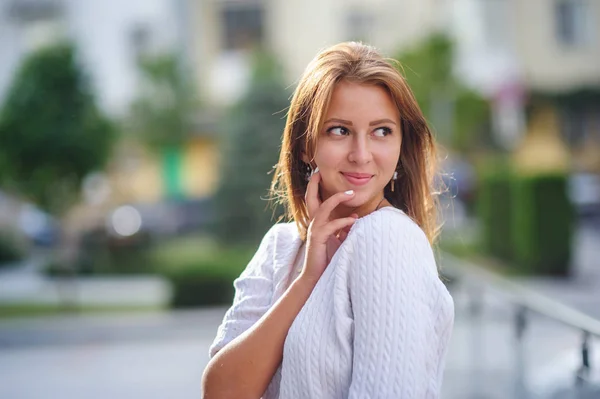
x=394, y=178
x=309, y=172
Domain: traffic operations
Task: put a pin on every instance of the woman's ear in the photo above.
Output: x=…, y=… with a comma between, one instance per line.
x=305, y=158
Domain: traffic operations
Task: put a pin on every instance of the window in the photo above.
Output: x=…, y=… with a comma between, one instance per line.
x=140, y=39
x=572, y=22
x=31, y=10
x=358, y=25
x=41, y=22
x=497, y=23
x=41, y=32
x=574, y=124
x=242, y=26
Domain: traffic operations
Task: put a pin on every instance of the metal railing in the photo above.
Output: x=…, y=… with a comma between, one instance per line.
x=526, y=302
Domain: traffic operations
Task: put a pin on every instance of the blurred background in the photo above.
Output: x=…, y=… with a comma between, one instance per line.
x=137, y=141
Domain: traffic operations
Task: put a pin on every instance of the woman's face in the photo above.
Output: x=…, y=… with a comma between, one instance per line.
x=359, y=145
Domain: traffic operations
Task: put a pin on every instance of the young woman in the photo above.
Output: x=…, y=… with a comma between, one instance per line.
x=345, y=302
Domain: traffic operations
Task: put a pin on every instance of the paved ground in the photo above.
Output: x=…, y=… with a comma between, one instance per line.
x=582, y=290
x=162, y=355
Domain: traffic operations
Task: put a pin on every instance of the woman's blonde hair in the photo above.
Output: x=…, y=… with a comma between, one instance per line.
x=414, y=192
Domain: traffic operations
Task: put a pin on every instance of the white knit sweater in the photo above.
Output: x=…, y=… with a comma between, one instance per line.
x=377, y=324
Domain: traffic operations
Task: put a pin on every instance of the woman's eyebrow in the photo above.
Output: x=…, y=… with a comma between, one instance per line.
x=380, y=121
x=349, y=123
x=345, y=122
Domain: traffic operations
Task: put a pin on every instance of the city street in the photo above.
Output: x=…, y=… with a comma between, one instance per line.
x=163, y=355
x=159, y=355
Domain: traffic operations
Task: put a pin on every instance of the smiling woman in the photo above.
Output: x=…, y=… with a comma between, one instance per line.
x=359, y=146
x=345, y=301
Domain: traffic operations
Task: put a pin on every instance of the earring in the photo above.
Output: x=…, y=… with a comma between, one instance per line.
x=309, y=172
x=394, y=178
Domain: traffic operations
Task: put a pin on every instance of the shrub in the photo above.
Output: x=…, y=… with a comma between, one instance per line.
x=494, y=209
x=251, y=136
x=10, y=248
x=542, y=226
x=208, y=281
x=102, y=254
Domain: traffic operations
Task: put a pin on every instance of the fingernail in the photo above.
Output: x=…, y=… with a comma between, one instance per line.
x=349, y=192
x=316, y=169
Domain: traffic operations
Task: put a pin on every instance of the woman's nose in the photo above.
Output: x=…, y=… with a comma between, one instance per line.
x=360, y=152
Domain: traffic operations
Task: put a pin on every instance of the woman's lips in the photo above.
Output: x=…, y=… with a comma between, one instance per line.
x=357, y=179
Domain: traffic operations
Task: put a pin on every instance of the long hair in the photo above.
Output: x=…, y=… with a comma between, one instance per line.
x=414, y=192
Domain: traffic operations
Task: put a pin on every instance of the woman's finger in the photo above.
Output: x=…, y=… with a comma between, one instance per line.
x=324, y=211
x=312, y=194
x=335, y=225
x=343, y=233
x=324, y=232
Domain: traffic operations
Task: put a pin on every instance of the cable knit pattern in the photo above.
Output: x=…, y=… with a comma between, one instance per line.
x=377, y=324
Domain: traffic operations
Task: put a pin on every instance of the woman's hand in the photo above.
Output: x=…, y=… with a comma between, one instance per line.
x=325, y=235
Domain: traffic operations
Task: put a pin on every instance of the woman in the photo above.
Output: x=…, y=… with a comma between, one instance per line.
x=346, y=302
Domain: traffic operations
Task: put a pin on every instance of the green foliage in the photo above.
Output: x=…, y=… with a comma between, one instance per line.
x=428, y=67
x=102, y=254
x=527, y=221
x=208, y=281
x=494, y=209
x=471, y=114
x=253, y=130
x=51, y=132
x=11, y=249
x=542, y=227
x=160, y=116
x=455, y=111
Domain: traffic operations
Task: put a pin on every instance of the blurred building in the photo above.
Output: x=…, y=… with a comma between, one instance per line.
x=539, y=61
x=295, y=30
x=110, y=36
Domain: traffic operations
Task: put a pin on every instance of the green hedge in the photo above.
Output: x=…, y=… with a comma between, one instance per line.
x=527, y=221
x=542, y=226
x=207, y=281
x=11, y=249
x=494, y=210
x=101, y=254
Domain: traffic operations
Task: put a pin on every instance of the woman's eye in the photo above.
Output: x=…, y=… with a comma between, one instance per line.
x=382, y=131
x=338, y=131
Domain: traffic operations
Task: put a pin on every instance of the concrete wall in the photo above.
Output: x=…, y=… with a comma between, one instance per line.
x=546, y=63
x=102, y=31
x=297, y=29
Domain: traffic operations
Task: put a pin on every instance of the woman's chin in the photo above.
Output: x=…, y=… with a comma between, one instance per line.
x=361, y=197
x=358, y=201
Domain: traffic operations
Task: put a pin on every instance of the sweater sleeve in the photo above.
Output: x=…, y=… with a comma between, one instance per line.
x=403, y=313
x=253, y=294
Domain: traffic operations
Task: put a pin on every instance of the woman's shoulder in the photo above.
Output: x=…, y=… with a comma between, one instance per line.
x=389, y=233
x=283, y=232
x=282, y=237
x=285, y=228
x=388, y=220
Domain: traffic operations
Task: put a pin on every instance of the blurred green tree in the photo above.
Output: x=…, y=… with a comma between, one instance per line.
x=51, y=131
x=253, y=128
x=160, y=115
x=455, y=111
